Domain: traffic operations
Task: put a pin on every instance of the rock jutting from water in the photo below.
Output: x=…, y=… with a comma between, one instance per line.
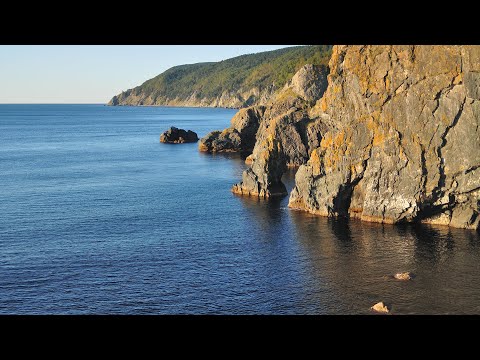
x=239, y=137
x=394, y=138
x=380, y=307
x=178, y=136
x=403, y=276
x=285, y=135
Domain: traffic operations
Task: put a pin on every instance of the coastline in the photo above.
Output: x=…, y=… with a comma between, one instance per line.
x=178, y=106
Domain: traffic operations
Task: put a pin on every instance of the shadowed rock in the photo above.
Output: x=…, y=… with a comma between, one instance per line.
x=240, y=136
x=263, y=179
x=178, y=136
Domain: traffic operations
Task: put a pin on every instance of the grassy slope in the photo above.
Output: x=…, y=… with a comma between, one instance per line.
x=242, y=72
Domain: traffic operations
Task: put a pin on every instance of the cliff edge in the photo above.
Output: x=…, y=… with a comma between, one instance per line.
x=394, y=138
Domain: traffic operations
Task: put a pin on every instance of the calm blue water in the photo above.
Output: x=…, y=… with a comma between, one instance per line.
x=98, y=217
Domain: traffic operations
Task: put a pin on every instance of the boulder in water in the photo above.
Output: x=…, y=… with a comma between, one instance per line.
x=178, y=136
x=403, y=276
x=380, y=307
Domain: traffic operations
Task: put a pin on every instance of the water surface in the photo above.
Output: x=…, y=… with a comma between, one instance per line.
x=98, y=217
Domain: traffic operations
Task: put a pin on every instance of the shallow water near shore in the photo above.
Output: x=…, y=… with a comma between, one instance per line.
x=98, y=217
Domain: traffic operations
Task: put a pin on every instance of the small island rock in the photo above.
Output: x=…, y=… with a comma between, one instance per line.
x=178, y=136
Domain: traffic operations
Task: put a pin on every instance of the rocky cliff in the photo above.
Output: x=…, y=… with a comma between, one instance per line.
x=234, y=83
x=394, y=138
x=227, y=99
x=277, y=135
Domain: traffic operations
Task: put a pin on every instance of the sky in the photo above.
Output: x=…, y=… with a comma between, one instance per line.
x=95, y=73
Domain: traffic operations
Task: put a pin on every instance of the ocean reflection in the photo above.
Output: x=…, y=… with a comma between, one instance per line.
x=433, y=245
x=346, y=265
x=356, y=259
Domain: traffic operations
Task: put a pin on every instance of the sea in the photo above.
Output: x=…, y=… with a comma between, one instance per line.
x=98, y=217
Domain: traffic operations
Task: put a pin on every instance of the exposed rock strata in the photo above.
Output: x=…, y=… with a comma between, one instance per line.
x=286, y=136
x=249, y=126
x=310, y=82
x=403, y=139
x=178, y=136
x=263, y=178
x=394, y=138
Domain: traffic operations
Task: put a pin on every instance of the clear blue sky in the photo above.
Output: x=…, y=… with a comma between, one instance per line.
x=93, y=74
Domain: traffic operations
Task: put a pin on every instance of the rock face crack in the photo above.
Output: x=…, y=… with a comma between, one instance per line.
x=394, y=137
x=414, y=108
x=443, y=137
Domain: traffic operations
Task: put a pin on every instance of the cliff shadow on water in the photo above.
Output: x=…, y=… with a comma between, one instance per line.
x=348, y=265
x=354, y=261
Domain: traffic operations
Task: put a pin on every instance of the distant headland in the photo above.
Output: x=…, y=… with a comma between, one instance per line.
x=234, y=83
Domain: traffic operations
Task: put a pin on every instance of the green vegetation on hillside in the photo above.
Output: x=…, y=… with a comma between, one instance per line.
x=260, y=70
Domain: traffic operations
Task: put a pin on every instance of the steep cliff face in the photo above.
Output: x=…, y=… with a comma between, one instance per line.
x=402, y=140
x=394, y=138
x=278, y=135
x=285, y=138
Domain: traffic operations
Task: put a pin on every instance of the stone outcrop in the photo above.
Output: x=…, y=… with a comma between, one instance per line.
x=310, y=82
x=178, y=136
x=263, y=179
x=286, y=136
x=240, y=136
x=297, y=133
x=395, y=137
x=403, y=137
x=277, y=136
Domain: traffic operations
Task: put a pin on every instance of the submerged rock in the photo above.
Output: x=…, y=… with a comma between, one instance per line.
x=178, y=136
x=380, y=307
